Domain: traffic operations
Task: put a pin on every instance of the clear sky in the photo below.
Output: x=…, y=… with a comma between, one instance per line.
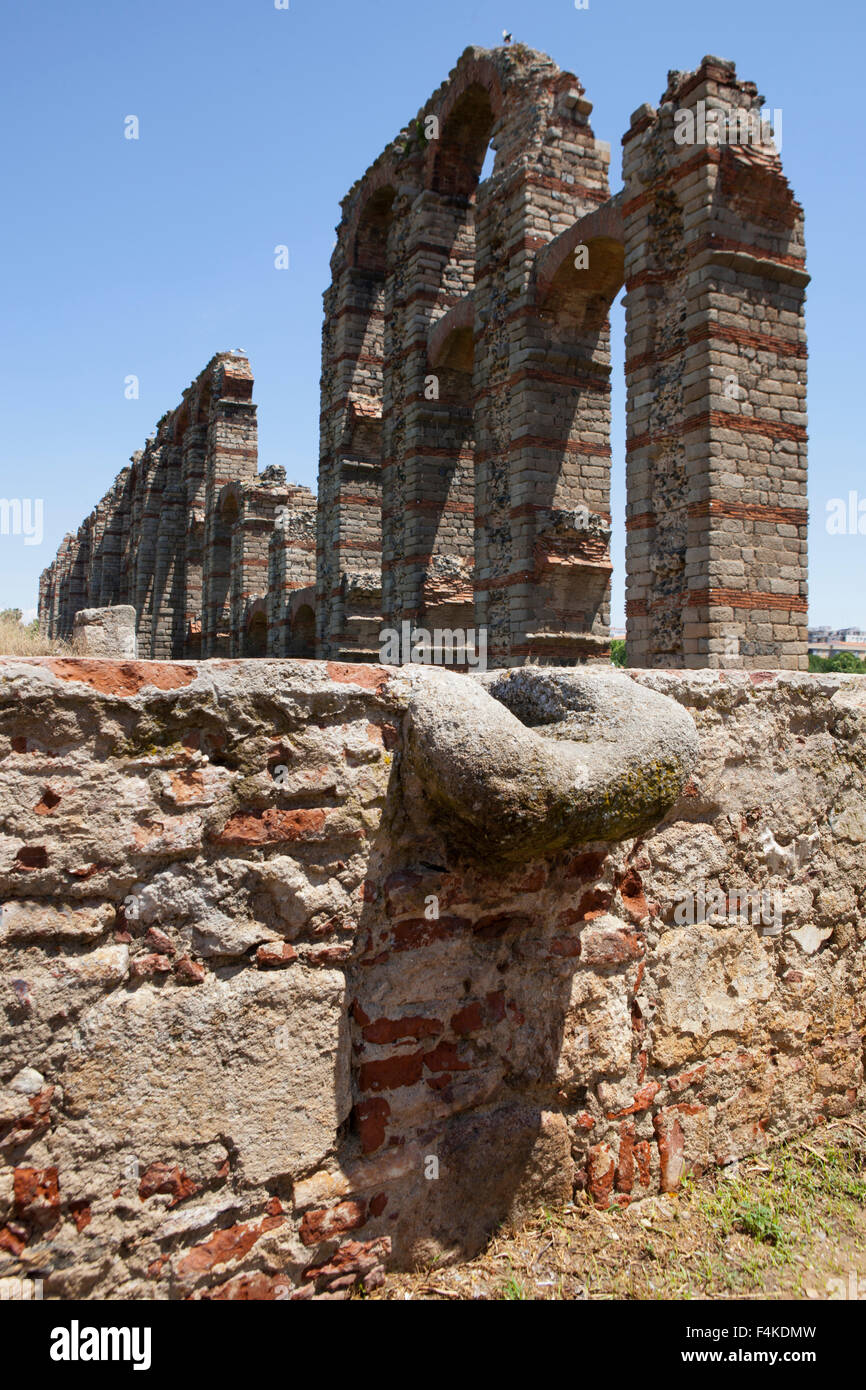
x=144, y=257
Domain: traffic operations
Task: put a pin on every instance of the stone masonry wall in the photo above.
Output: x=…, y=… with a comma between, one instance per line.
x=490, y=405
x=466, y=365
x=249, y=992
x=716, y=368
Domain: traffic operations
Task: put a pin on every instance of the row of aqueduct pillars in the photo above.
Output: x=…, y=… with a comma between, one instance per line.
x=466, y=385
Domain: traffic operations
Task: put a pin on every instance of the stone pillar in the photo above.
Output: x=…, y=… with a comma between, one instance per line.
x=716, y=471
x=352, y=450
x=232, y=457
x=194, y=483
x=291, y=569
x=145, y=529
x=541, y=386
x=168, y=601
x=105, y=632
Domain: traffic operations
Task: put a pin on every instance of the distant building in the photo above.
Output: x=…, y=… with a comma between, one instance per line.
x=825, y=642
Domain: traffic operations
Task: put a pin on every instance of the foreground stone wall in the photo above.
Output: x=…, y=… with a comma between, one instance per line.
x=267, y=1026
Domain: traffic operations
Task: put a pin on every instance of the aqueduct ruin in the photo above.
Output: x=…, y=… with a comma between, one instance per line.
x=317, y=967
x=464, y=473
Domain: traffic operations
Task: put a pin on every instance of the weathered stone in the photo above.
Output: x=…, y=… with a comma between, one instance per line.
x=458, y=1039
x=464, y=478
x=519, y=776
x=105, y=631
x=259, y=1063
x=710, y=982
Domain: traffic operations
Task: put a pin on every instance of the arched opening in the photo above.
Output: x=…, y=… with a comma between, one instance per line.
x=303, y=643
x=229, y=511
x=461, y=159
x=256, y=643
x=219, y=572
x=464, y=141
x=578, y=277
x=580, y=293
x=371, y=237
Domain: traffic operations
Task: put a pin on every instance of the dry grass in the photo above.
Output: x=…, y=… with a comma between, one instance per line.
x=791, y=1223
x=18, y=640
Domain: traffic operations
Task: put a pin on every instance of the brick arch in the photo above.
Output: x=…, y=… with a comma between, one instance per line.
x=582, y=297
x=468, y=112
x=256, y=628
x=229, y=500
x=378, y=186
x=452, y=334
x=480, y=74
x=604, y=227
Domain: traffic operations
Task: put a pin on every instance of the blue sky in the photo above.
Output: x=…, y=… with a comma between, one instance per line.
x=145, y=257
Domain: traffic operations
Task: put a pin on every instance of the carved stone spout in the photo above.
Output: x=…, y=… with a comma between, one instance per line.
x=521, y=763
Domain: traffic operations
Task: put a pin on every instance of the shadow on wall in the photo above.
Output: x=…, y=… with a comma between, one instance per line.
x=303, y=639
x=482, y=1010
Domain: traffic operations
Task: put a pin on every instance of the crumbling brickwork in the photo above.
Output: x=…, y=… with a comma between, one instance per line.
x=464, y=471
x=249, y=991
